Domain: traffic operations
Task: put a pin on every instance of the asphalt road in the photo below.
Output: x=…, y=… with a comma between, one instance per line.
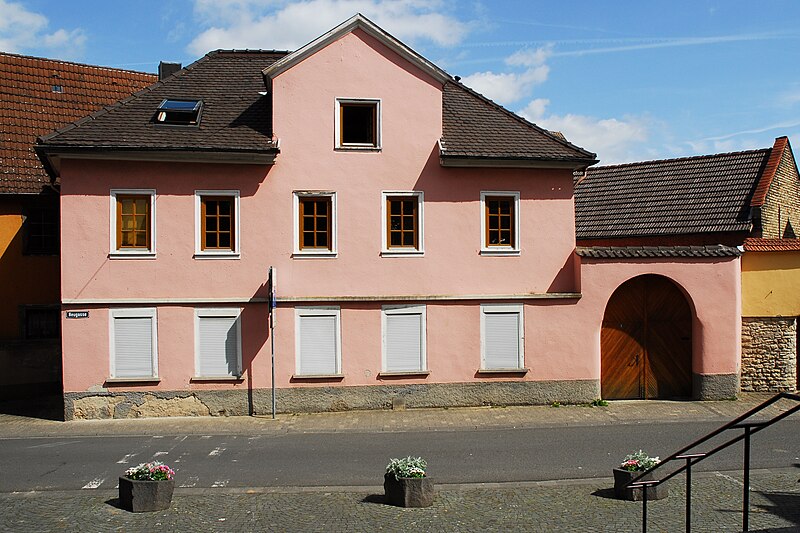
x=358, y=459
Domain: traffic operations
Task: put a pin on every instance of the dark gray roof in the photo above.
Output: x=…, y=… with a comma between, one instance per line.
x=639, y=252
x=236, y=116
x=691, y=195
x=477, y=128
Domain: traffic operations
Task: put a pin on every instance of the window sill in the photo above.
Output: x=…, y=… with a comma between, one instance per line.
x=312, y=377
x=499, y=252
x=314, y=255
x=504, y=370
x=216, y=255
x=132, y=255
x=356, y=148
x=200, y=379
x=402, y=253
x=404, y=373
x=144, y=380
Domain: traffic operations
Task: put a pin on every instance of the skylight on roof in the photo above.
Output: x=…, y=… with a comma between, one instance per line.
x=179, y=112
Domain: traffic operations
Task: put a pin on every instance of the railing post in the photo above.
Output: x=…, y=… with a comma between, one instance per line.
x=688, y=495
x=644, y=509
x=746, y=502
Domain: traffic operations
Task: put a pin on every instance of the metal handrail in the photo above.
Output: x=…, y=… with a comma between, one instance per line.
x=691, y=459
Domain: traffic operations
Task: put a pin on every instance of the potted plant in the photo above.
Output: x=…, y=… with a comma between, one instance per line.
x=632, y=467
x=406, y=484
x=147, y=487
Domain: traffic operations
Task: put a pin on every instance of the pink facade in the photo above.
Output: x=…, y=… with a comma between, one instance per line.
x=562, y=297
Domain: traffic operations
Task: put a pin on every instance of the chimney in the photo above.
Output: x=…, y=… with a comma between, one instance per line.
x=167, y=69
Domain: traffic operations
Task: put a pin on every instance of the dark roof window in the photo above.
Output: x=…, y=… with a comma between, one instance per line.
x=179, y=112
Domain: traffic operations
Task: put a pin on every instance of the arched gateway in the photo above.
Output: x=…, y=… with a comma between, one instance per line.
x=646, y=341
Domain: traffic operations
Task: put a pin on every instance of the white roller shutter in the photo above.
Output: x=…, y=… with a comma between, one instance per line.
x=133, y=346
x=317, y=337
x=502, y=337
x=218, y=346
x=403, y=342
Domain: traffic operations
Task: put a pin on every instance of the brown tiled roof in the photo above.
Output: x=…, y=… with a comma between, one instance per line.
x=236, y=115
x=642, y=252
x=703, y=194
x=760, y=194
x=753, y=244
x=29, y=107
x=477, y=128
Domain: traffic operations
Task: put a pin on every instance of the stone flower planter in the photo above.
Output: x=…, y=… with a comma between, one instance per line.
x=408, y=491
x=621, y=477
x=144, y=496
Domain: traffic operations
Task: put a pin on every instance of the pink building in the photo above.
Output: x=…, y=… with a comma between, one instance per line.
x=423, y=239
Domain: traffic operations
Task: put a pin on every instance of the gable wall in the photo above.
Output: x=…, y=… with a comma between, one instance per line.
x=782, y=204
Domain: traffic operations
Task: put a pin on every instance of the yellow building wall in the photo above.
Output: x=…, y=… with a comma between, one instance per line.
x=771, y=284
x=24, y=279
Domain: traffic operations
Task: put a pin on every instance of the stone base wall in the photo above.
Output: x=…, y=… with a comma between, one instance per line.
x=715, y=386
x=108, y=404
x=769, y=354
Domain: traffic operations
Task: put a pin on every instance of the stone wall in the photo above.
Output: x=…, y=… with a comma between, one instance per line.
x=110, y=404
x=769, y=354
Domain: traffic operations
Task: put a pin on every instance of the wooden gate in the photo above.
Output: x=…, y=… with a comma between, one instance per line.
x=646, y=341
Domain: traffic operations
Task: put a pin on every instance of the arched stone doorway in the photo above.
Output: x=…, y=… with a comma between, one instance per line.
x=646, y=341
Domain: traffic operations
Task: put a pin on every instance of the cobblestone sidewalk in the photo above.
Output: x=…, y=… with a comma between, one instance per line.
x=584, y=506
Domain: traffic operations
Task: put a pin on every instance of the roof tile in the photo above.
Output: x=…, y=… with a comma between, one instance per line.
x=30, y=107
x=702, y=194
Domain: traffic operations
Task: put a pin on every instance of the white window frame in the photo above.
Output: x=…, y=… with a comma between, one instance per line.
x=199, y=253
x=231, y=312
x=403, y=252
x=131, y=253
x=331, y=311
x=145, y=312
x=505, y=309
x=512, y=249
x=338, y=130
x=312, y=252
x=419, y=310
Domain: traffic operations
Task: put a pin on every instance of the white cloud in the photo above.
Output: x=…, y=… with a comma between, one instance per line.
x=22, y=30
x=509, y=87
x=614, y=140
x=281, y=25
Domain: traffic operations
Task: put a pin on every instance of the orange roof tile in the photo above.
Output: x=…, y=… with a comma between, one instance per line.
x=31, y=105
x=760, y=194
x=753, y=244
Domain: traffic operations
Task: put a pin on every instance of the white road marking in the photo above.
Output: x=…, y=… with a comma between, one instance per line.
x=191, y=481
x=220, y=483
x=93, y=484
x=216, y=451
x=53, y=444
x=729, y=478
x=160, y=453
x=127, y=458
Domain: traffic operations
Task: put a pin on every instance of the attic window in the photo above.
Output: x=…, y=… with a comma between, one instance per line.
x=358, y=123
x=179, y=112
x=58, y=89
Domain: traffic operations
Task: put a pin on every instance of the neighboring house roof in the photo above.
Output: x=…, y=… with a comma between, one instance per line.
x=236, y=115
x=760, y=194
x=753, y=244
x=31, y=105
x=691, y=195
x=478, y=130
x=643, y=252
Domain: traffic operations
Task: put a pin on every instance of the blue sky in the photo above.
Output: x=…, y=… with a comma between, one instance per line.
x=630, y=80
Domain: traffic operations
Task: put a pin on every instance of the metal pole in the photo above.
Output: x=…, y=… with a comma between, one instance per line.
x=746, y=502
x=688, y=495
x=272, y=304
